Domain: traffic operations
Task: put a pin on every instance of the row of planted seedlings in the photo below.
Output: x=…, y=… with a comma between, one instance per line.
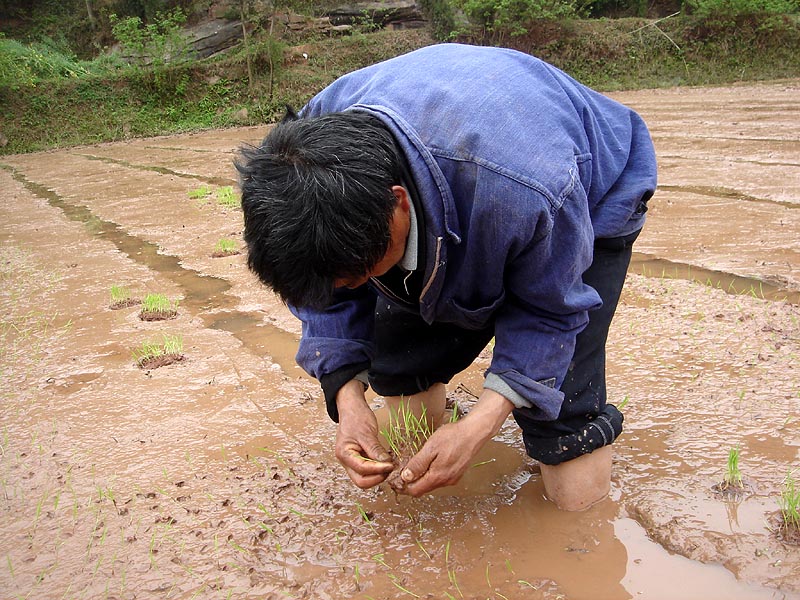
x=152, y=354
x=227, y=198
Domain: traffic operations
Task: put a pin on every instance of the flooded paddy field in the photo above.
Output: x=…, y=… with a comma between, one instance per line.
x=214, y=476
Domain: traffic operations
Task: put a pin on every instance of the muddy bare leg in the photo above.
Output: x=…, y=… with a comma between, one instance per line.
x=579, y=483
x=433, y=399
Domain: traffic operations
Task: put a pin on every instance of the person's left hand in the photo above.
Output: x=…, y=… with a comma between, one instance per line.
x=449, y=452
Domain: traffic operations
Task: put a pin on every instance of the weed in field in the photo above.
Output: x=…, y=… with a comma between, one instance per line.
x=151, y=355
x=157, y=307
x=225, y=247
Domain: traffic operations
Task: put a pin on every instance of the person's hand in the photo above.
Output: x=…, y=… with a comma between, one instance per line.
x=449, y=452
x=357, y=447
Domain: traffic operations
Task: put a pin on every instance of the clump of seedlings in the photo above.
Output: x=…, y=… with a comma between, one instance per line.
x=227, y=197
x=789, y=503
x=121, y=298
x=198, y=193
x=405, y=433
x=151, y=355
x=225, y=247
x=732, y=484
x=157, y=307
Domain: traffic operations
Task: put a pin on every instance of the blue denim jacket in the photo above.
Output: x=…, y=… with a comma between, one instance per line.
x=519, y=168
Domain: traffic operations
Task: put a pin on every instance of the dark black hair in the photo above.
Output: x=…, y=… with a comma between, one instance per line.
x=317, y=202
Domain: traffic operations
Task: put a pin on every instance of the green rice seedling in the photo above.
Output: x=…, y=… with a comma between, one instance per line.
x=405, y=433
x=151, y=355
x=201, y=192
x=733, y=476
x=790, y=505
x=157, y=307
x=227, y=197
x=451, y=572
x=394, y=579
x=378, y=558
x=225, y=247
x=121, y=297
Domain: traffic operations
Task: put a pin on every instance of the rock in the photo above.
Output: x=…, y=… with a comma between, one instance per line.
x=240, y=116
x=388, y=13
x=213, y=37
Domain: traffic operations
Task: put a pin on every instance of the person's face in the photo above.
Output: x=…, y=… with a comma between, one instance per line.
x=398, y=229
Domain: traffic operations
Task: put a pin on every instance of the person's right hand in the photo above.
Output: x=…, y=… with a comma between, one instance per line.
x=357, y=447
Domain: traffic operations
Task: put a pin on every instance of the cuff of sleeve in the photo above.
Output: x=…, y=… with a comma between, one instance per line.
x=497, y=384
x=333, y=382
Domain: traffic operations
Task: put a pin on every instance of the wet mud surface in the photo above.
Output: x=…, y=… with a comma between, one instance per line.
x=213, y=477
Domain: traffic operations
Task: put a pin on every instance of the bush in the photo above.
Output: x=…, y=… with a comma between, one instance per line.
x=156, y=43
x=729, y=9
x=441, y=16
x=511, y=17
x=23, y=65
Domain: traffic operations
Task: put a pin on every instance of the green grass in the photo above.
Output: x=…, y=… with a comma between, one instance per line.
x=790, y=503
x=64, y=103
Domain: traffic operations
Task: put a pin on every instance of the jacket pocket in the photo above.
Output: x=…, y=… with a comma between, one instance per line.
x=474, y=318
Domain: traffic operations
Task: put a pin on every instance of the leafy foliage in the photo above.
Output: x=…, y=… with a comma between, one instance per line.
x=23, y=65
x=711, y=9
x=156, y=43
x=512, y=16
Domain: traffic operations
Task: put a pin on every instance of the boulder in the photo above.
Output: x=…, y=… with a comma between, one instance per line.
x=388, y=13
x=213, y=36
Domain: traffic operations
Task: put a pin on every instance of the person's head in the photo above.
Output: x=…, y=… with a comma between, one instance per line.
x=319, y=197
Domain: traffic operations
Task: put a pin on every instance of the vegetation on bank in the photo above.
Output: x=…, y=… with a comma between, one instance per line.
x=56, y=91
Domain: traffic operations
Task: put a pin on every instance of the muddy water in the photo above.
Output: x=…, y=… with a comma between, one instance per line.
x=213, y=477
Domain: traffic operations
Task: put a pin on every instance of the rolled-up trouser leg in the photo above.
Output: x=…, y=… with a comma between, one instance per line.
x=585, y=422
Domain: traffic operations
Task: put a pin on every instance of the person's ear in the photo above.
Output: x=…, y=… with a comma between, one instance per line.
x=402, y=197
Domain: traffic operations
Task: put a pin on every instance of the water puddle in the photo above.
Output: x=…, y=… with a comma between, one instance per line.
x=651, y=266
x=726, y=193
x=221, y=181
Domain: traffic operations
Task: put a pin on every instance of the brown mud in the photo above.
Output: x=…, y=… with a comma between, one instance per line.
x=214, y=477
